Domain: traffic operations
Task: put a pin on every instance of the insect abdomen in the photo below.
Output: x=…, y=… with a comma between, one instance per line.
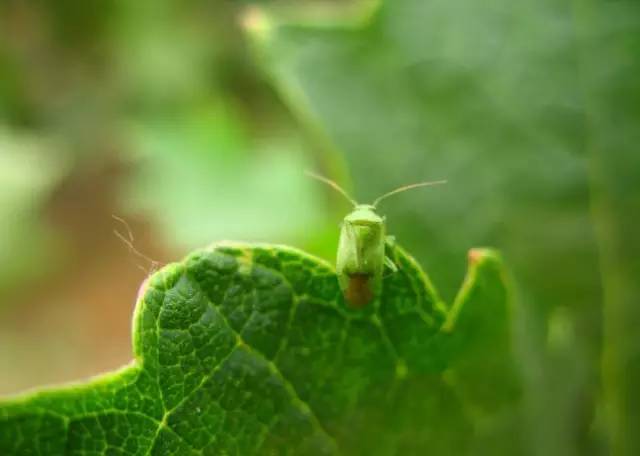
x=358, y=292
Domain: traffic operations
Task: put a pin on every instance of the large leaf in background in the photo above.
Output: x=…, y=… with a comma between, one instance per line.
x=611, y=42
x=245, y=349
x=408, y=97
x=484, y=94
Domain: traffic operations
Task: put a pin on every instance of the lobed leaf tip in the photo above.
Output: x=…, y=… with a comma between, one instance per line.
x=479, y=255
x=255, y=20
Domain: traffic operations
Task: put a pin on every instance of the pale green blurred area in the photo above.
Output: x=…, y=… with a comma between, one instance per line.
x=195, y=122
x=153, y=112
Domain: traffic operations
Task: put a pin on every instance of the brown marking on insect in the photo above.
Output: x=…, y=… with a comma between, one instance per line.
x=359, y=292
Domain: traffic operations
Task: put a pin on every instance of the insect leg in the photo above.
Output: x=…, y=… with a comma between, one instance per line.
x=390, y=243
x=388, y=262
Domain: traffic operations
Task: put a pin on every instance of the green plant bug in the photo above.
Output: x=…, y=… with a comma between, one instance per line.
x=361, y=257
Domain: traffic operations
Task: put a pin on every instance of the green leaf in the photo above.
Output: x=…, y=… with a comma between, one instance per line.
x=251, y=349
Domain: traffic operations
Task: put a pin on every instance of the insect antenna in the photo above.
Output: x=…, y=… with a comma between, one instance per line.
x=333, y=185
x=408, y=187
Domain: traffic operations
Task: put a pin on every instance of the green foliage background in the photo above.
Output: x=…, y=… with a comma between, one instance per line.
x=530, y=109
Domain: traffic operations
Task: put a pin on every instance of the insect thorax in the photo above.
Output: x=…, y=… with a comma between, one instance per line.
x=364, y=214
x=361, y=247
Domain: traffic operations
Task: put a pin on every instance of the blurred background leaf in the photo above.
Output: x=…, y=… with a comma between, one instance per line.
x=489, y=96
x=27, y=175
